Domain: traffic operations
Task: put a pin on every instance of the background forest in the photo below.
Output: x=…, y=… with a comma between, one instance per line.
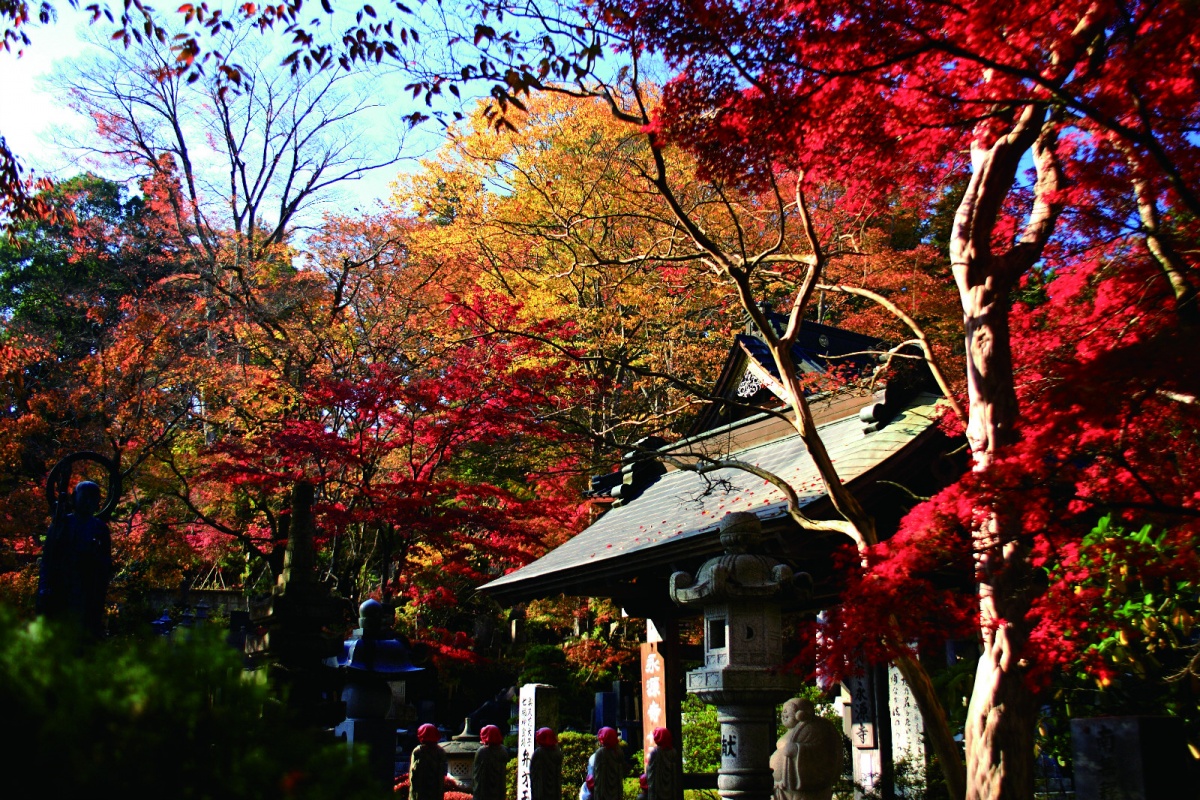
x=618, y=188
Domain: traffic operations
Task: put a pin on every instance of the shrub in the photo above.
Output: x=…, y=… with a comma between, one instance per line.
x=450, y=785
x=576, y=749
x=158, y=717
x=545, y=663
x=701, y=736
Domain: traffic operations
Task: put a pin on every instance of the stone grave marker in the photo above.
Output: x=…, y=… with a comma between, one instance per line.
x=537, y=708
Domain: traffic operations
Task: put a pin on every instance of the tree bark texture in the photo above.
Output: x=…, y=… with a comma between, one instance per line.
x=1002, y=711
x=1003, y=708
x=1001, y=714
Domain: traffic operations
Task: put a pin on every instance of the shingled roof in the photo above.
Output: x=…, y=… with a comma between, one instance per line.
x=674, y=521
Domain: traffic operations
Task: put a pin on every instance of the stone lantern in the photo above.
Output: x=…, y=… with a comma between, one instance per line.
x=460, y=754
x=370, y=660
x=740, y=594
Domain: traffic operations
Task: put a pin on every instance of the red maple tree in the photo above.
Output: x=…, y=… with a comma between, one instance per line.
x=880, y=97
x=1078, y=122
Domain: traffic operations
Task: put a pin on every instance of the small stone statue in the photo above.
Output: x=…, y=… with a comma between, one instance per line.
x=76, y=562
x=545, y=767
x=808, y=758
x=427, y=770
x=663, y=769
x=609, y=767
x=490, y=761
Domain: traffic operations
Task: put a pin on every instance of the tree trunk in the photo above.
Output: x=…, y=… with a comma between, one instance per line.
x=1003, y=709
x=1002, y=712
x=1001, y=715
x=1163, y=251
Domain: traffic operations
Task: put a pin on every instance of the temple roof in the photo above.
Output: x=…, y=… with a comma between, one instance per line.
x=674, y=521
x=750, y=377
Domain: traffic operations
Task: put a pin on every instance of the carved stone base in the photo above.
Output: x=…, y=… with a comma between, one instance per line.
x=747, y=741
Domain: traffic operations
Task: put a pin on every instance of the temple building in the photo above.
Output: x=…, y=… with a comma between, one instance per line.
x=662, y=515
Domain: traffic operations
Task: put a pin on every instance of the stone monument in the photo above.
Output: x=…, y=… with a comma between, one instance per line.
x=1133, y=758
x=291, y=637
x=537, y=709
x=740, y=594
x=908, y=729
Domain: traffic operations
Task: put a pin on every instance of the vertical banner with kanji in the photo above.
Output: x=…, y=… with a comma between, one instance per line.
x=654, y=695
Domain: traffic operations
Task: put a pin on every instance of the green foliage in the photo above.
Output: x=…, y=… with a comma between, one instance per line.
x=701, y=736
x=157, y=717
x=1136, y=606
x=510, y=772
x=545, y=663
x=1148, y=609
x=91, y=252
x=576, y=749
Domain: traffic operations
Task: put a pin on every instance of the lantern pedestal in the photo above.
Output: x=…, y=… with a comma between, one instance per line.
x=741, y=593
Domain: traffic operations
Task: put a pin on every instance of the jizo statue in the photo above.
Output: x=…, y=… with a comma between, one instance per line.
x=663, y=768
x=488, y=771
x=427, y=767
x=545, y=767
x=608, y=766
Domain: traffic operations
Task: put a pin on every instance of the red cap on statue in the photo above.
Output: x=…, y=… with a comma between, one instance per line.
x=491, y=735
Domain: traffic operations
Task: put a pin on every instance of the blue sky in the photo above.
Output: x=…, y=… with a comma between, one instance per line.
x=34, y=117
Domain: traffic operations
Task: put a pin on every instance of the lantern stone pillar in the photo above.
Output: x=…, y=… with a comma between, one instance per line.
x=741, y=593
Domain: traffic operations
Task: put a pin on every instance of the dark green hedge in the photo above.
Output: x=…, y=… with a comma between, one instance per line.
x=156, y=717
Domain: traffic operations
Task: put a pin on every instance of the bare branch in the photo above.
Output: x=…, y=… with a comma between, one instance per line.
x=918, y=332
